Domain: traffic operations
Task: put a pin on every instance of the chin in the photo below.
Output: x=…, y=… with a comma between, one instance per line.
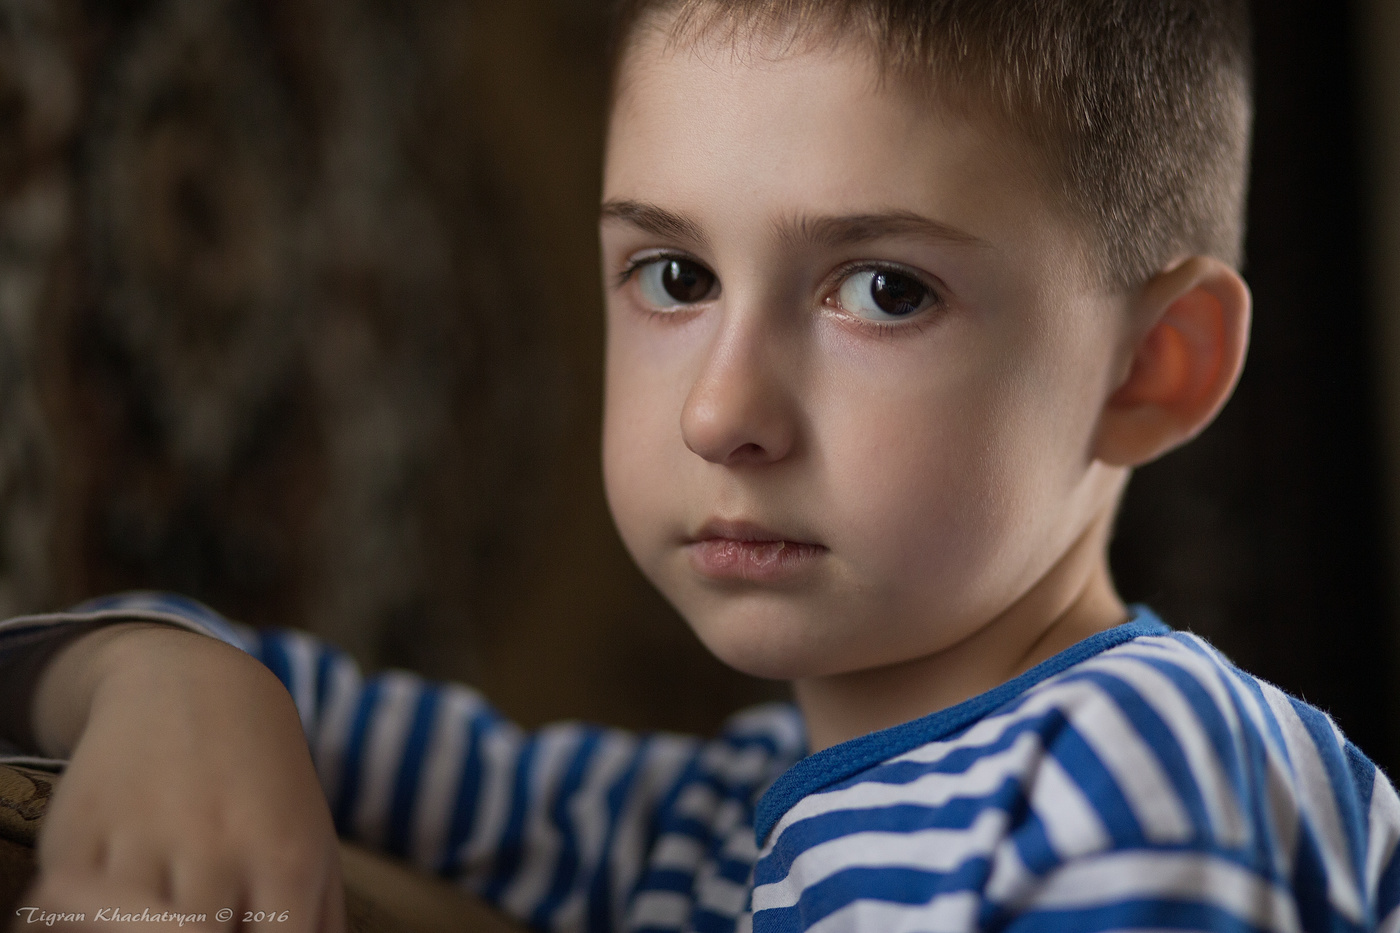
x=767, y=651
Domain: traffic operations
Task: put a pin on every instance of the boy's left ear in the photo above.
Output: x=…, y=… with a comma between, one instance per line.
x=1185, y=360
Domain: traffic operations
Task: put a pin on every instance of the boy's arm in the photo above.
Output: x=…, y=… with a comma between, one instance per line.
x=552, y=826
x=189, y=787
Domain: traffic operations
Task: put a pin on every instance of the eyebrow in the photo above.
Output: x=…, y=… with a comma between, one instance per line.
x=827, y=230
x=654, y=220
x=847, y=230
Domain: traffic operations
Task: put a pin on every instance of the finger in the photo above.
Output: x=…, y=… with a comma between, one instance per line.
x=208, y=887
x=289, y=892
x=138, y=864
x=333, y=919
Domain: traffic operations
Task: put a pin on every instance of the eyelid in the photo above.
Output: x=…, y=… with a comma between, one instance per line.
x=937, y=290
x=637, y=261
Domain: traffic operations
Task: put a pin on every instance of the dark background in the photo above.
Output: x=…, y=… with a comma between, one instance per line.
x=299, y=314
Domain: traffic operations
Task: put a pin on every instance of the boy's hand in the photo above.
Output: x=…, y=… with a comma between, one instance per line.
x=189, y=788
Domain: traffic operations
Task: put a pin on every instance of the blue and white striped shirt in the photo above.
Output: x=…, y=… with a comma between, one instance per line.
x=1137, y=781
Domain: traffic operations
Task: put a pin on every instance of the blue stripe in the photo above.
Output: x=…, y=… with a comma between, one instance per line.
x=1255, y=756
x=566, y=868
x=1388, y=886
x=1309, y=885
x=1272, y=730
x=1160, y=740
x=463, y=820
x=956, y=761
x=510, y=849
x=707, y=921
x=1363, y=778
x=405, y=794
x=894, y=885
x=958, y=813
x=344, y=805
x=600, y=891
x=270, y=651
x=674, y=880
x=735, y=870
x=839, y=762
x=326, y=662
x=1130, y=915
x=1228, y=752
x=1097, y=784
x=1334, y=760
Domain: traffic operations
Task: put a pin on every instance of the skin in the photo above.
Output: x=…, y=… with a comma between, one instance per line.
x=893, y=515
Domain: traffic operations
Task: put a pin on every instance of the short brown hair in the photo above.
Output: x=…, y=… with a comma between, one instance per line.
x=1141, y=109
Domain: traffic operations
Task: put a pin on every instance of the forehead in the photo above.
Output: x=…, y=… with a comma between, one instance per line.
x=768, y=132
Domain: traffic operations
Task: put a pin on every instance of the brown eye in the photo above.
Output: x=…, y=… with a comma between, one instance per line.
x=896, y=294
x=883, y=294
x=672, y=281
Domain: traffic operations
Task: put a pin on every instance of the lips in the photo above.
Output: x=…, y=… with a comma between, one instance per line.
x=741, y=550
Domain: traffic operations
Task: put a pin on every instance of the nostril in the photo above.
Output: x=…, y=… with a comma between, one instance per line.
x=747, y=452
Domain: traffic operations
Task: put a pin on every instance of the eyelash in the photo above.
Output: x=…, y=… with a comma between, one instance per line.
x=879, y=328
x=914, y=325
x=638, y=262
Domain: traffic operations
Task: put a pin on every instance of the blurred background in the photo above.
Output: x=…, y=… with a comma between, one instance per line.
x=299, y=315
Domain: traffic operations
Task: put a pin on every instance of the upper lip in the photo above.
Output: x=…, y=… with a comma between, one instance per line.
x=742, y=530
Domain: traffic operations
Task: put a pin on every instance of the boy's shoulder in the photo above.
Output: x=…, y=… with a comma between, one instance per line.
x=1150, y=775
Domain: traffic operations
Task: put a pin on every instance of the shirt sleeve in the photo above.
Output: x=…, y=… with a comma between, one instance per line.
x=548, y=824
x=572, y=826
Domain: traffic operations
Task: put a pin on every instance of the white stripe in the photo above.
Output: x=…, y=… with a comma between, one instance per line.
x=1207, y=771
x=442, y=775
x=676, y=852
x=931, y=790
x=301, y=659
x=1010, y=879
x=698, y=801
x=1384, y=832
x=734, y=766
x=1209, y=670
x=1319, y=804
x=382, y=753
x=588, y=812
x=953, y=913
x=1174, y=876
x=1279, y=791
x=931, y=850
x=1135, y=768
x=1103, y=726
x=328, y=746
x=1072, y=825
x=658, y=909
x=542, y=842
x=720, y=895
x=500, y=750
x=663, y=760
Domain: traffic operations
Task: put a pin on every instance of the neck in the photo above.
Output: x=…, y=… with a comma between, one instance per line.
x=1073, y=600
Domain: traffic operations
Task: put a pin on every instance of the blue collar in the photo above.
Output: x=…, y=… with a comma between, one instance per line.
x=839, y=762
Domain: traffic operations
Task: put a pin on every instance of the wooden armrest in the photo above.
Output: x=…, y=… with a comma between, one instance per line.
x=381, y=895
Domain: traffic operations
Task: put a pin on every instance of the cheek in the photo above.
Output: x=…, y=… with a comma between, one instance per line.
x=940, y=487
x=639, y=422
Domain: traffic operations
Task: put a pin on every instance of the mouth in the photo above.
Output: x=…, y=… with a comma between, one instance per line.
x=741, y=550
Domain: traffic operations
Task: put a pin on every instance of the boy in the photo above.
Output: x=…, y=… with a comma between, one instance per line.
x=898, y=293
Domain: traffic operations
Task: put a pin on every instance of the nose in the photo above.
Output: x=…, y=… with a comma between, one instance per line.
x=741, y=410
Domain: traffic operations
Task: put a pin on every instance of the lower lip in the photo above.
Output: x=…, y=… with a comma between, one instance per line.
x=756, y=561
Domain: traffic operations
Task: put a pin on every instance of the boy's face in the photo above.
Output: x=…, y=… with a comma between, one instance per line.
x=855, y=359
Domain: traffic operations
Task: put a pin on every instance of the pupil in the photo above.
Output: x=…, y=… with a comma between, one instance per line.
x=686, y=281
x=896, y=294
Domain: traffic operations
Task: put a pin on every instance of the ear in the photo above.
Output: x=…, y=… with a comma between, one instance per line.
x=1186, y=357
